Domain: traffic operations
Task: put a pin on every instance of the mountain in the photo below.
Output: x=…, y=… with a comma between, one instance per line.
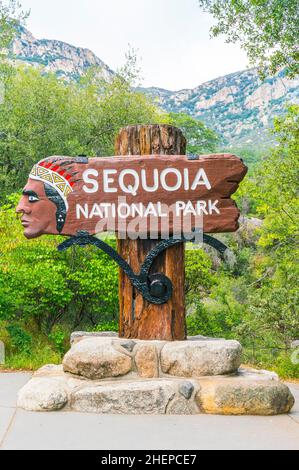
x=239, y=107
x=68, y=62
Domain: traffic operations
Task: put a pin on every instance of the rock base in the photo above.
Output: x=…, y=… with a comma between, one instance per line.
x=249, y=392
x=105, y=374
x=101, y=357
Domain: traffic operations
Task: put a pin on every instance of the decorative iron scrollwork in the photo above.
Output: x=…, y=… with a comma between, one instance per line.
x=155, y=288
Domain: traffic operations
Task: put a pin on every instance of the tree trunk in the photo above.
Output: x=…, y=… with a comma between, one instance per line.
x=138, y=318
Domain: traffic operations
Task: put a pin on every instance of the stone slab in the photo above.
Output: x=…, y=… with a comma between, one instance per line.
x=130, y=398
x=201, y=358
x=246, y=393
x=96, y=358
x=44, y=394
x=257, y=374
x=77, y=336
x=73, y=431
x=244, y=396
x=107, y=357
x=147, y=361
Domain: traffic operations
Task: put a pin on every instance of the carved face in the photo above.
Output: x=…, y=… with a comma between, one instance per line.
x=38, y=211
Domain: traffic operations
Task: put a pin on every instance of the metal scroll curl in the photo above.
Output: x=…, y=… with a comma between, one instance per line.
x=155, y=288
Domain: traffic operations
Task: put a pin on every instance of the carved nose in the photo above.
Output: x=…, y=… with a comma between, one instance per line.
x=19, y=209
x=22, y=207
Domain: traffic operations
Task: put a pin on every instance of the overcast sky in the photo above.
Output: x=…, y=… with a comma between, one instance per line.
x=171, y=36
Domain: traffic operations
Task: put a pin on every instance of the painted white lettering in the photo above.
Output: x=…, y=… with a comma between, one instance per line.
x=106, y=206
x=180, y=206
x=131, y=188
x=126, y=207
x=150, y=210
x=93, y=182
x=167, y=172
x=96, y=211
x=137, y=209
x=189, y=209
x=212, y=207
x=202, y=207
x=162, y=207
x=150, y=189
x=82, y=210
x=186, y=179
x=201, y=179
x=107, y=181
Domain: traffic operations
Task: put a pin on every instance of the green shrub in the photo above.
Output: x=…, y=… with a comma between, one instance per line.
x=59, y=338
x=41, y=354
x=197, y=323
x=272, y=359
x=43, y=115
x=25, y=348
x=286, y=368
x=107, y=326
x=76, y=288
x=21, y=341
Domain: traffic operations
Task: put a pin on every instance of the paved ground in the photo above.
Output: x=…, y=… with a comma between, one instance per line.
x=67, y=430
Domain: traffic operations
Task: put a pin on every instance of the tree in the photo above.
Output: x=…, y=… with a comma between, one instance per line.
x=200, y=139
x=276, y=185
x=257, y=299
x=10, y=17
x=273, y=296
x=42, y=115
x=268, y=30
x=42, y=287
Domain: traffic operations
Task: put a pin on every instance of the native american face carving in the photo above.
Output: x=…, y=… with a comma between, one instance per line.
x=38, y=212
x=43, y=206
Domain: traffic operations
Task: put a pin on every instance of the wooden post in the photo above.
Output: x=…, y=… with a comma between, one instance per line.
x=138, y=318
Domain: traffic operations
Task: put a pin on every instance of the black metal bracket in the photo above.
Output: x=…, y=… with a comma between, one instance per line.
x=155, y=288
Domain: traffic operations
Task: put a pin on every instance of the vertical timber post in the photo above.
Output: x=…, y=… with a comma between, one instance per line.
x=138, y=318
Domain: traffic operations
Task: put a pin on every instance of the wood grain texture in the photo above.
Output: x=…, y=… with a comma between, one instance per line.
x=138, y=318
x=152, y=160
x=224, y=172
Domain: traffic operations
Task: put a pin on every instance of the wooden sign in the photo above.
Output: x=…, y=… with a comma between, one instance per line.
x=131, y=195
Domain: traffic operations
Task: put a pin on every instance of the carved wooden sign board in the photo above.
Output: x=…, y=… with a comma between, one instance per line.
x=131, y=194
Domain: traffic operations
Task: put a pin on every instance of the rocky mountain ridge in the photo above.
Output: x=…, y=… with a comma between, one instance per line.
x=238, y=106
x=67, y=61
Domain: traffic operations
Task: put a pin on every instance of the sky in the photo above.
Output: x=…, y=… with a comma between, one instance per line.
x=171, y=37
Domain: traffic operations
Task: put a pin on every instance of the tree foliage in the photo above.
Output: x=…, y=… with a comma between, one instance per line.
x=42, y=115
x=200, y=139
x=11, y=15
x=43, y=287
x=257, y=298
x=274, y=303
x=276, y=186
x=44, y=292
x=268, y=30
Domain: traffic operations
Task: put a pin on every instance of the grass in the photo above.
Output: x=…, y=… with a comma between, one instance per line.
x=43, y=353
x=28, y=350
x=40, y=355
x=280, y=363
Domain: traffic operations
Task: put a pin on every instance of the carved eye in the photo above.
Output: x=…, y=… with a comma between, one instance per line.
x=33, y=198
